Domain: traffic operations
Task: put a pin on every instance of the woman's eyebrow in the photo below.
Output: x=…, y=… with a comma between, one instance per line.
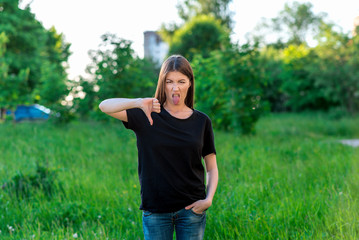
x=177, y=80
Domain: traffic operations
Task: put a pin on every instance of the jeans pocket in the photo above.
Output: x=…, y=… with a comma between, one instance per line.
x=198, y=214
x=146, y=213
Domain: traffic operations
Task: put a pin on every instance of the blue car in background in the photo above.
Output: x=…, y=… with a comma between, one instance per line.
x=33, y=112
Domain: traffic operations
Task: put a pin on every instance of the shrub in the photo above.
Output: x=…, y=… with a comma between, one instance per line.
x=228, y=89
x=25, y=185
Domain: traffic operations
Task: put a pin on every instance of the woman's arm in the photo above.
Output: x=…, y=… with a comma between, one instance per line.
x=212, y=182
x=212, y=176
x=116, y=107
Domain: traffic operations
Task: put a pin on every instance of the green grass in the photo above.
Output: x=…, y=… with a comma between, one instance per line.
x=292, y=180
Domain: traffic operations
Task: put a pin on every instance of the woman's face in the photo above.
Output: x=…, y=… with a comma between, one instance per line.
x=177, y=85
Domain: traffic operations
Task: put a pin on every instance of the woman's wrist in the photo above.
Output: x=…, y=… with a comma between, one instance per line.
x=208, y=201
x=139, y=103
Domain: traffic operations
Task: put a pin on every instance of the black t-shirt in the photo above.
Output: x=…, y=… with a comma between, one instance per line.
x=170, y=155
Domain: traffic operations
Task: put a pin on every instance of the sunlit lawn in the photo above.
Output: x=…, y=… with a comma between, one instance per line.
x=292, y=180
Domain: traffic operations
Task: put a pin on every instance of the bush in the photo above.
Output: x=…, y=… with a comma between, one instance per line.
x=228, y=89
x=25, y=185
x=117, y=72
x=61, y=114
x=337, y=113
x=201, y=35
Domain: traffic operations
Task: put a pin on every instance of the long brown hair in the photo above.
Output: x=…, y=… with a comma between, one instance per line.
x=175, y=63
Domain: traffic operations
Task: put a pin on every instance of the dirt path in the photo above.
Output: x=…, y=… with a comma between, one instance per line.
x=351, y=142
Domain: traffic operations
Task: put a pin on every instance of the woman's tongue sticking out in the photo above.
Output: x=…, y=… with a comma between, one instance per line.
x=175, y=98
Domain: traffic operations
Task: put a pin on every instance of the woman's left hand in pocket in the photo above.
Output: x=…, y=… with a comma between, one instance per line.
x=199, y=206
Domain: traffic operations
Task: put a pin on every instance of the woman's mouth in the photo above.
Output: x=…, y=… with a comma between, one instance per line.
x=175, y=98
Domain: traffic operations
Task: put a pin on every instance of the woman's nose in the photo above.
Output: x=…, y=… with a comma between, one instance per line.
x=175, y=87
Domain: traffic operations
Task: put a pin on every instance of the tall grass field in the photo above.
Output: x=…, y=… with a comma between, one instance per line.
x=293, y=179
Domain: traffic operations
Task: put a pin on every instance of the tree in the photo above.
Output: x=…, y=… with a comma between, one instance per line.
x=228, y=88
x=324, y=77
x=292, y=26
x=299, y=85
x=272, y=75
x=187, y=9
x=52, y=85
x=12, y=86
x=117, y=72
x=201, y=35
x=336, y=67
x=3, y=73
x=35, y=59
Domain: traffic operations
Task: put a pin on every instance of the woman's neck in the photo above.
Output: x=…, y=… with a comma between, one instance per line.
x=176, y=108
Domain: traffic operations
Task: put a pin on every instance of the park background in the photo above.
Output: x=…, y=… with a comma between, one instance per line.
x=282, y=102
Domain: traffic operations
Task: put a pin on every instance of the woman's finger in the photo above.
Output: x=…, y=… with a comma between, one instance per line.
x=149, y=118
x=156, y=107
x=189, y=206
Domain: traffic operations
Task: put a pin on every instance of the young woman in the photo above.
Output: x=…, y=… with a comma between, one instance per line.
x=172, y=138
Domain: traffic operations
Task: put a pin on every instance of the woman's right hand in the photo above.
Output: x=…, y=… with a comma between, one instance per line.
x=149, y=105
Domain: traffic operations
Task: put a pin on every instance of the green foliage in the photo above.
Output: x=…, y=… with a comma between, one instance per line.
x=272, y=76
x=61, y=114
x=117, y=73
x=187, y=9
x=324, y=77
x=71, y=214
x=299, y=86
x=228, y=89
x=337, y=113
x=201, y=35
x=299, y=19
x=168, y=30
x=289, y=82
x=293, y=25
x=288, y=66
x=26, y=38
x=50, y=90
x=24, y=186
x=84, y=105
x=3, y=66
x=33, y=62
x=52, y=85
x=336, y=67
x=13, y=86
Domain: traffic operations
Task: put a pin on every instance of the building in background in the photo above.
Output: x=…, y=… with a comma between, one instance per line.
x=154, y=47
x=356, y=24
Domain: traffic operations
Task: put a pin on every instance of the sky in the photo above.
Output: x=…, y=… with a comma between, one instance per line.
x=84, y=21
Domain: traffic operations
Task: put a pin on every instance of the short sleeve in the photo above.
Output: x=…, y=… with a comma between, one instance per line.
x=208, y=139
x=136, y=119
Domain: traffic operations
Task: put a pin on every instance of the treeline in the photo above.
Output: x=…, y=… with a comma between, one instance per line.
x=235, y=84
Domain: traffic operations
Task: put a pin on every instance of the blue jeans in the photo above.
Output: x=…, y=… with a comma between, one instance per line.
x=188, y=225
